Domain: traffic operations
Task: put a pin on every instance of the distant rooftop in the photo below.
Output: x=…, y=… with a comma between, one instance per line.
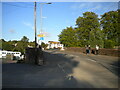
x=54, y=42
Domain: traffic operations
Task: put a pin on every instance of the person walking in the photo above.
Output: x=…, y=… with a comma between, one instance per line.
x=87, y=49
x=97, y=49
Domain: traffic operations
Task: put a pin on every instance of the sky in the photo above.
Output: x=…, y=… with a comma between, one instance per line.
x=18, y=17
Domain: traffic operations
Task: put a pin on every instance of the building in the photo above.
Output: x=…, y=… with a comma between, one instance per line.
x=53, y=44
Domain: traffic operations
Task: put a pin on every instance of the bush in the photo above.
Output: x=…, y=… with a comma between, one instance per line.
x=43, y=45
x=9, y=57
x=109, y=44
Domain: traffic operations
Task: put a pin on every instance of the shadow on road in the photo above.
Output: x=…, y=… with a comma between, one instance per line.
x=116, y=68
x=56, y=73
x=110, y=63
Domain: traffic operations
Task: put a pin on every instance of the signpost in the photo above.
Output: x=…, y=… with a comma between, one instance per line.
x=41, y=38
x=41, y=35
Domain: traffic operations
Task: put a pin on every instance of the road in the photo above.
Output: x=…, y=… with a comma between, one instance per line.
x=63, y=70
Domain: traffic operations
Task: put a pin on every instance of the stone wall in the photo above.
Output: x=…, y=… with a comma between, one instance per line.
x=34, y=56
x=102, y=51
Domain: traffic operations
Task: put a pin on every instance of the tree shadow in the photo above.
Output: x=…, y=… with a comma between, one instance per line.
x=116, y=68
x=55, y=73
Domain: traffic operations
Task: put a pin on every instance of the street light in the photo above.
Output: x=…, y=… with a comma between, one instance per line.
x=35, y=24
x=41, y=17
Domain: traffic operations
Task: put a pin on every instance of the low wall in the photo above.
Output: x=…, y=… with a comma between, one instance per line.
x=34, y=56
x=102, y=51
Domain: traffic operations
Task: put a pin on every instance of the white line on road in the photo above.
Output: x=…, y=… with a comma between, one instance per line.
x=71, y=55
x=76, y=56
x=91, y=60
x=68, y=76
x=61, y=68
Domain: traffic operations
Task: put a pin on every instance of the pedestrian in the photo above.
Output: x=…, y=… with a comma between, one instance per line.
x=97, y=49
x=87, y=49
x=22, y=57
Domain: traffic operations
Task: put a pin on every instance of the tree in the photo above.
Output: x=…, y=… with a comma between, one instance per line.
x=68, y=37
x=43, y=45
x=22, y=45
x=32, y=44
x=109, y=44
x=88, y=29
x=2, y=40
x=16, y=45
x=25, y=39
x=7, y=46
x=109, y=23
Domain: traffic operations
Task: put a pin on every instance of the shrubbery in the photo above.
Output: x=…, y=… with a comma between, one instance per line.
x=109, y=44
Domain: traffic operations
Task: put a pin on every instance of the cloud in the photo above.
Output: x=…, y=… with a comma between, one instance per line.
x=97, y=7
x=94, y=7
x=44, y=17
x=78, y=6
x=12, y=31
x=28, y=24
x=86, y=5
x=46, y=34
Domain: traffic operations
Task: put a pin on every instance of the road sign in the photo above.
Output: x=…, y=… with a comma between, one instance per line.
x=41, y=38
x=41, y=35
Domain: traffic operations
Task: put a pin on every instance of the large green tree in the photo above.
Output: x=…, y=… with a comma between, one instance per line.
x=24, y=39
x=6, y=45
x=88, y=30
x=22, y=45
x=68, y=37
x=16, y=45
x=109, y=23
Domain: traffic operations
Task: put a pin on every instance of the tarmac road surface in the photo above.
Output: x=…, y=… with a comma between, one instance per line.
x=61, y=70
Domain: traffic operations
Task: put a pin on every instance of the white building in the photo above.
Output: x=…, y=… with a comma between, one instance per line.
x=53, y=44
x=4, y=53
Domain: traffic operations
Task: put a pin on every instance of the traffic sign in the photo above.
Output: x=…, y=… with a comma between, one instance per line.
x=41, y=38
x=41, y=35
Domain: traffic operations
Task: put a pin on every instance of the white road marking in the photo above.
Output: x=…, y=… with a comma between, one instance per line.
x=91, y=60
x=61, y=68
x=68, y=76
x=77, y=56
x=71, y=55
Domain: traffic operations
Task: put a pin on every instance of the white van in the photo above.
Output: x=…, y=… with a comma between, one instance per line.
x=3, y=54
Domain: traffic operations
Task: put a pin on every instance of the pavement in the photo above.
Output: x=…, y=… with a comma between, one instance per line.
x=62, y=70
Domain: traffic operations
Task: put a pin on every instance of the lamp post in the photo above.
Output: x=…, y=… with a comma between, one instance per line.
x=35, y=24
x=41, y=31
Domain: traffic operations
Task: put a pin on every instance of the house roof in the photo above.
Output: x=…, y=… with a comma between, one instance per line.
x=53, y=42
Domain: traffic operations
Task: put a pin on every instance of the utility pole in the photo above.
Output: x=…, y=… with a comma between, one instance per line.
x=41, y=18
x=35, y=24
